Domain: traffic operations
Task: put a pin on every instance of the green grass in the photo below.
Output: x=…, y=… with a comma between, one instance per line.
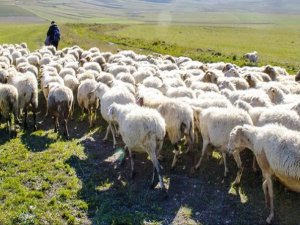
x=37, y=186
x=276, y=45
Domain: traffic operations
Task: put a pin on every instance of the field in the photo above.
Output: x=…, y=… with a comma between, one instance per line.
x=45, y=179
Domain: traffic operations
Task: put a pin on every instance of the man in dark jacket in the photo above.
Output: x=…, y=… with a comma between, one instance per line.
x=53, y=35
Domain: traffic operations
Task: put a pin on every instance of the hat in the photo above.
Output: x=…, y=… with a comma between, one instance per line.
x=53, y=22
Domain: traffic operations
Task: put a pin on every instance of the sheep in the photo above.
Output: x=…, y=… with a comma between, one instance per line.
x=9, y=104
x=278, y=97
x=87, y=99
x=152, y=82
x=27, y=87
x=215, y=126
x=59, y=104
x=106, y=78
x=182, y=59
x=3, y=76
x=226, y=84
x=142, y=74
x=86, y=75
x=255, y=83
x=107, y=97
x=180, y=92
x=178, y=116
x=297, y=76
x=277, y=152
x=239, y=83
x=142, y=130
x=67, y=71
x=126, y=77
x=72, y=83
x=92, y=66
x=211, y=76
x=251, y=56
x=232, y=72
x=115, y=69
x=254, y=97
x=207, y=87
x=288, y=118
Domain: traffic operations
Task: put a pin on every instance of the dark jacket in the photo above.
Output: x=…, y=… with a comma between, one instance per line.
x=51, y=30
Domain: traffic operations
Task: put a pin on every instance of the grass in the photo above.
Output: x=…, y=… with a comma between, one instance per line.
x=201, y=42
x=37, y=186
x=47, y=180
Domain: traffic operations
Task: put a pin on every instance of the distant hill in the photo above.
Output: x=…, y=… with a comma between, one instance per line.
x=153, y=10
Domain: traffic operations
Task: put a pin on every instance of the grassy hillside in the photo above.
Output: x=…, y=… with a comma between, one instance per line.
x=276, y=45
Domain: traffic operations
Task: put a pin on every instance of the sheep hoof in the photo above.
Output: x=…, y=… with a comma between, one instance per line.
x=269, y=220
x=192, y=171
x=133, y=173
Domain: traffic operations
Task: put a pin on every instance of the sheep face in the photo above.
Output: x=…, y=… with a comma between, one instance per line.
x=235, y=139
x=272, y=93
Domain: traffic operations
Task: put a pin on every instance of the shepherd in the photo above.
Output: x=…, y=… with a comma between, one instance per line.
x=53, y=35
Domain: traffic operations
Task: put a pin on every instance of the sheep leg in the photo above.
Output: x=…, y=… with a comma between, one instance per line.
x=153, y=178
x=90, y=117
x=9, y=126
x=117, y=131
x=55, y=119
x=190, y=144
x=25, y=118
x=254, y=164
x=113, y=135
x=131, y=163
x=107, y=130
x=34, y=118
x=225, y=164
x=66, y=133
x=238, y=161
x=204, y=149
x=271, y=199
x=158, y=169
x=176, y=153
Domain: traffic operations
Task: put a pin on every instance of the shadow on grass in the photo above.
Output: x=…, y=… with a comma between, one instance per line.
x=206, y=198
x=4, y=136
x=35, y=142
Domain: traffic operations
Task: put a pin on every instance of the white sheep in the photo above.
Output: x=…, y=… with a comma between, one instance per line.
x=59, y=104
x=108, y=96
x=178, y=116
x=277, y=150
x=142, y=130
x=251, y=56
x=277, y=96
x=215, y=126
x=27, y=87
x=254, y=97
x=126, y=77
x=106, y=78
x=152, y=82
x=9, y=104
x=87, y=99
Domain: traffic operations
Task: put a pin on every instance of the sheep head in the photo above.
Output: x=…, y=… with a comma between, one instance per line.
x=235, y=139
x=297, y=77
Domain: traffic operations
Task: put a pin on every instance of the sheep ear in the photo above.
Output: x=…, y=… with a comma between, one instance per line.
x=110, y=83
x=140, y=101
